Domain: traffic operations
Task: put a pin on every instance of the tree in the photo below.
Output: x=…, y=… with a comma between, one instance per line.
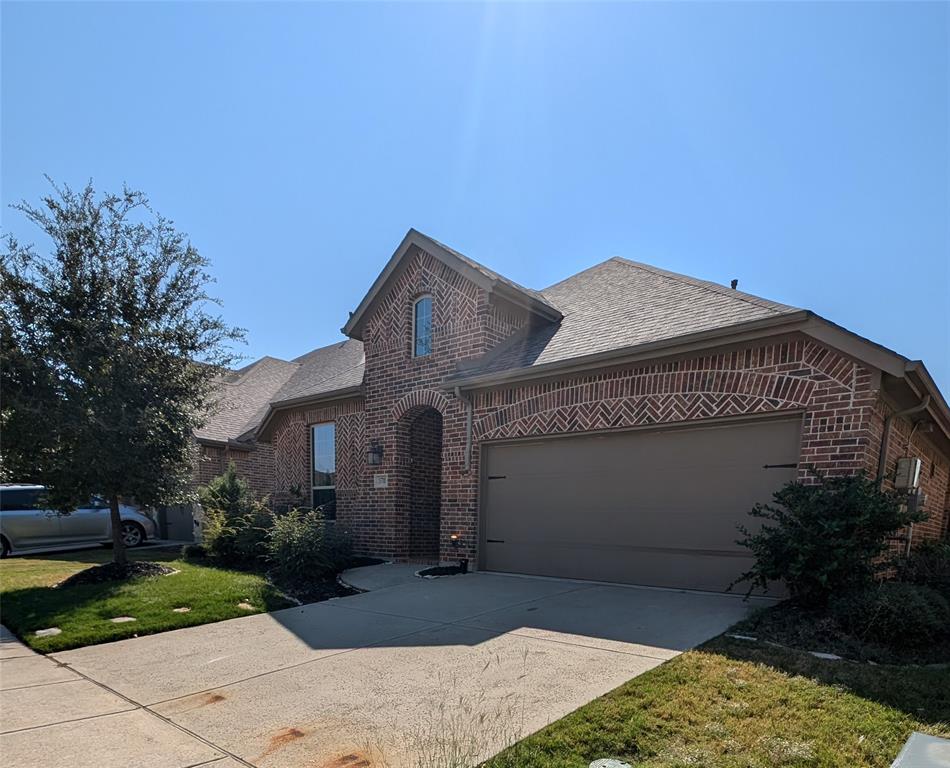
x=110, y=352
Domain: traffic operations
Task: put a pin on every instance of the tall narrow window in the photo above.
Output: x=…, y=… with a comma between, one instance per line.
x=422, y=327
x=323, y=439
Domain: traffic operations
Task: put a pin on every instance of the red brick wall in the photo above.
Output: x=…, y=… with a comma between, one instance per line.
x=934, y=474
x=835, y=395
x=292, y=449
x=256, y=466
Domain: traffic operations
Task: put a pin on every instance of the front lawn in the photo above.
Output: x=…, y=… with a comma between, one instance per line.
x=28, y=601
x=732, y=703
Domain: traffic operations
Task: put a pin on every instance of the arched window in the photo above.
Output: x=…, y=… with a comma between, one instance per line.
x=422, y=326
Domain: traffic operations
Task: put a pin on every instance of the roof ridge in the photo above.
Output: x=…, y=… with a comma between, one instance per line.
x=709, y=285
x=578, y=274
x=339, y=343
x=333, y=375
x=251, y=366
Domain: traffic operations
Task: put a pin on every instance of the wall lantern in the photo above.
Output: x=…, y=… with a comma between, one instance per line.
x=374, y=456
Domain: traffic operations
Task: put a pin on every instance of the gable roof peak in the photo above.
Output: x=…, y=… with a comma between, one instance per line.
x=489, y=280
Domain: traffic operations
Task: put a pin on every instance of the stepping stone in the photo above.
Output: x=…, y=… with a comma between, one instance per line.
x=181, y=610
x=122, y=619
x=51, y=632
x=609, y=762
x=245, y=606
x=828, y=656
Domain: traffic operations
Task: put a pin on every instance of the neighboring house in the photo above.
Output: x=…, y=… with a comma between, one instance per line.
x=614, y=426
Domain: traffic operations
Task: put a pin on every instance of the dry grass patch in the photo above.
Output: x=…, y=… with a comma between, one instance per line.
x=732, y=705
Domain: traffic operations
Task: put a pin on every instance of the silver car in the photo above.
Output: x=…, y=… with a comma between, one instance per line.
x=25, y=523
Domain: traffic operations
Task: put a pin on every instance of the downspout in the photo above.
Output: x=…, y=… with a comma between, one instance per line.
x=467, y=462
x=885, y=444
x=886, y=437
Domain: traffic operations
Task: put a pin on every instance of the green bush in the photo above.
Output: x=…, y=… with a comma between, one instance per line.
x=928, y=564
x=893, y=614
x=304, y=547
x=823, y=538
x=236, y=525
x=193, y=552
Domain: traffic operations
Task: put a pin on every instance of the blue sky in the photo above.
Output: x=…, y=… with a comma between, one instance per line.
x=803, y=148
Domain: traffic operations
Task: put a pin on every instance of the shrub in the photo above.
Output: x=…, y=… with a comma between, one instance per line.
x=236, y=524
x=893, y=614
x=193, y=552
x=928, y=564
x=824, y=538
x=303, y=546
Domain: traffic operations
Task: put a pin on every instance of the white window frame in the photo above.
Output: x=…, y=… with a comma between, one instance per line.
x=415, y=319
x=313, y=457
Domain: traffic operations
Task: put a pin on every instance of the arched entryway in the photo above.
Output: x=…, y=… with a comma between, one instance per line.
x=424, y=442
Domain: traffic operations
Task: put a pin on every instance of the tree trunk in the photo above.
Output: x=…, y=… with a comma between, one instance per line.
x=118, y=546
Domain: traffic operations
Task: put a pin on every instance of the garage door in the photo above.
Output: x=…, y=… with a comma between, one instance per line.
x=640, y=507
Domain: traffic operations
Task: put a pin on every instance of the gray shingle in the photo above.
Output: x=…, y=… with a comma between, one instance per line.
x=619, y=304
x=243, y=398
x=247, y=394
x=323, y=370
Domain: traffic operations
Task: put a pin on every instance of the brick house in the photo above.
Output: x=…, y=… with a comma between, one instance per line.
x=614, y=426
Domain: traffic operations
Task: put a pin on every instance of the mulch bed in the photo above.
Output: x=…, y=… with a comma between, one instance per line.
x=443, y=570
x=99, y=574
x=792, y=626
x=316, y=591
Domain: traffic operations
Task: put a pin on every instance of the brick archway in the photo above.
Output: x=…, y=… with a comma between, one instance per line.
x=419, y=398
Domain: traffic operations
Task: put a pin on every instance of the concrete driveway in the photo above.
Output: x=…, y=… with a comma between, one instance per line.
x=370, y=680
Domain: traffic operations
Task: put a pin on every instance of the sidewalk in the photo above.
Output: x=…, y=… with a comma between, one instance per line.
x=41, y=697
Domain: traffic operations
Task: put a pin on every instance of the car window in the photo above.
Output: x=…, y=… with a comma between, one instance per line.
x=20, y=499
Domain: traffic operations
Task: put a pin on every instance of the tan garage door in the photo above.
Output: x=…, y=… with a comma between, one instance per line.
x=641, y=507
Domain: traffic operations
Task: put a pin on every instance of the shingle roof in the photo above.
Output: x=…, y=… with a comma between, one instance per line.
x=619, y=304
x=495, y=276
x=244, y=395
x=247, y=394
x=327, y=369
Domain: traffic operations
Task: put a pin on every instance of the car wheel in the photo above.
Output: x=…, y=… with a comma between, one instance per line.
x=4, y=547
x=132, y=534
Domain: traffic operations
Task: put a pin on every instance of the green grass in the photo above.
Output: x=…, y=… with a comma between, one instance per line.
x=29, y=602
x=731, y=704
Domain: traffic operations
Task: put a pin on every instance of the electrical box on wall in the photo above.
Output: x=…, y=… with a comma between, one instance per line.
x=908, y=473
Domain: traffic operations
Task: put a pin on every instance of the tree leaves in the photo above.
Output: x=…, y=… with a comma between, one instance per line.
x=111, y=345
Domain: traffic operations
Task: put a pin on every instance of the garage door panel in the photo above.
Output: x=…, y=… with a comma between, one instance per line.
x=641, y=507
x=684, y=528
x=666, y=568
